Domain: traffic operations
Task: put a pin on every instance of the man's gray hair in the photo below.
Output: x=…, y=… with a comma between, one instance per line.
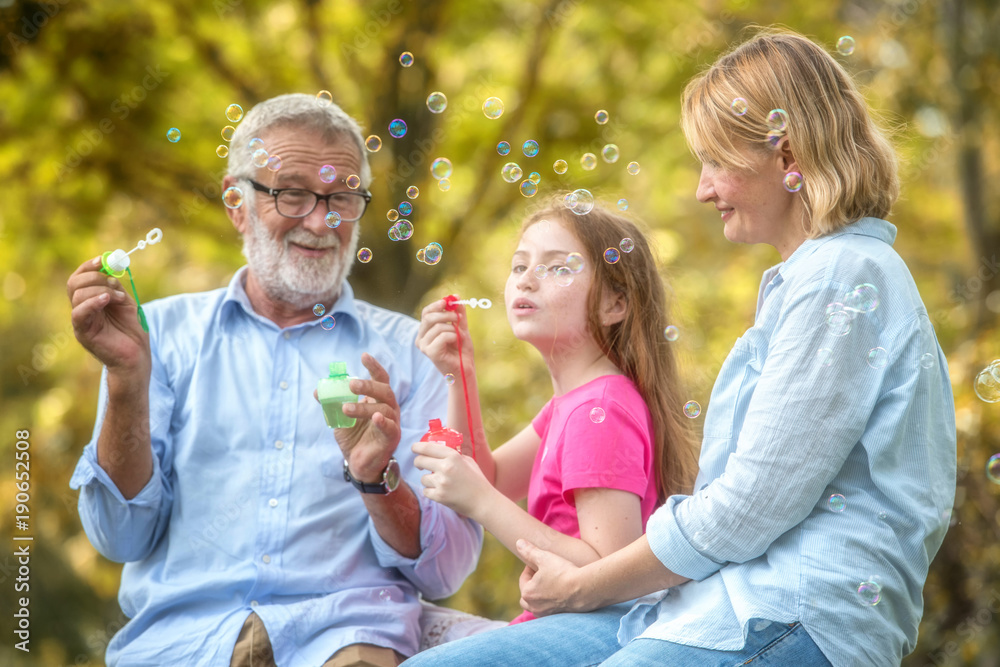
x=300, y=111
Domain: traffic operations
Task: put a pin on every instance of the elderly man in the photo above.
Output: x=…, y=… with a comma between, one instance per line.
x=248, y=535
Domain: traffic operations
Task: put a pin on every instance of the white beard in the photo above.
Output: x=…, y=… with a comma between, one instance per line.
x=289, y=277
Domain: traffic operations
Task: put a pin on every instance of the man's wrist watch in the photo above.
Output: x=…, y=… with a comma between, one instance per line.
x=389, y=483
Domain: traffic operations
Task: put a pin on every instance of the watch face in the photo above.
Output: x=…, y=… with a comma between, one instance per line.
x=391, y=476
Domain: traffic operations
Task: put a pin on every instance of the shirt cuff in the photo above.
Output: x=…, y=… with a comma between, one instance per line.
x=389, y=557
x=673, y=548
x=88, y=470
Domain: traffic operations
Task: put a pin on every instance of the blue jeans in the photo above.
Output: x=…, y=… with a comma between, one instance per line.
x=583, y=640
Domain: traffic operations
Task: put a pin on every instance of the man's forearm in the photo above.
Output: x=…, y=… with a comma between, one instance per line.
x=123, y=448
x=397, y=518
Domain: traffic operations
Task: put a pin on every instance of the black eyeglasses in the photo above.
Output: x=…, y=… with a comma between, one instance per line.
x=298, y=203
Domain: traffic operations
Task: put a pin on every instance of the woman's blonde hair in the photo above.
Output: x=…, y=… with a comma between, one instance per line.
x=636, y=345
x=847, y=162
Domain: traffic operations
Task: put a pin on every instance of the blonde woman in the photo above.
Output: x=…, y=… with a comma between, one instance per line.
x=827, y=469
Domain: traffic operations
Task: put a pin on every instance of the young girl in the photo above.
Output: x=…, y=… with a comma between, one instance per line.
x=611, y=444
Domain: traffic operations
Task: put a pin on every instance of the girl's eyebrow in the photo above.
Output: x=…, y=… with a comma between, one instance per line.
x=547, y=253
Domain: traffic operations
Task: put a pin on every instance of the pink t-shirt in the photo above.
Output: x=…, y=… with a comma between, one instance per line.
x=597, y=436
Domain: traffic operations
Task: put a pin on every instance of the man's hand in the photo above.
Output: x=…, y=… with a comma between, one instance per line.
x=549, y=584
x=368, y=445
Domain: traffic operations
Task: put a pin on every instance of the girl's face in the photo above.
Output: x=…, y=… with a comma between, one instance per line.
x=540, y=310
x=754, y=204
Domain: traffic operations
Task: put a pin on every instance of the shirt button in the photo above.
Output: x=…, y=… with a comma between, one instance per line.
x=278, y=444
x=273, y=502
x=253, y=603
x=283, y=385
x=266, y=558
x=287, y=335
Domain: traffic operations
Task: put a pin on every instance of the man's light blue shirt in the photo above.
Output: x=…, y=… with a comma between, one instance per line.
x=825, y=396
x=247, y=509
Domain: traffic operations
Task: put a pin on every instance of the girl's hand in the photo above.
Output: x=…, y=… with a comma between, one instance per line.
x=436, y=337
x=455, y=480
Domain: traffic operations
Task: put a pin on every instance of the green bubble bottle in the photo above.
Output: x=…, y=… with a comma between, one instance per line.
x=333, y=392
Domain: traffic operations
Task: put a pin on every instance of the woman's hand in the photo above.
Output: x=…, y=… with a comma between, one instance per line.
x=454, y=479
x=437, y=339
x=549, y=584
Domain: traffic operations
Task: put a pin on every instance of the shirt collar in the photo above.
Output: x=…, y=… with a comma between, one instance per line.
x=874, y=227
x=236, y=300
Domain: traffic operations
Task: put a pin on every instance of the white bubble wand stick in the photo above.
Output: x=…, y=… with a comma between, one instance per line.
x=115, y=263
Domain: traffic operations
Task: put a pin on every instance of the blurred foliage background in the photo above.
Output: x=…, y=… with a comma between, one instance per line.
x=89, y=89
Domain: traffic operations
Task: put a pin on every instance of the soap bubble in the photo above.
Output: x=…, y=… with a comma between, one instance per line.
x=863, y=298
x=259, y=158
x=836, y=502
x=610, y=153
x=774, y=138
x=405, y=229
x=364, y=255
x=869, y=593
x=232, y=197
x=824, y=356
x=564, y=277
x=222, y=150
x=397, y=128
x=623, y=204
x=324, y=98
x=420, y=255
x=878, y=357
x=227, y=132
x=511, y=172
x=845, y=45
x=671, y=333
x=535, y=177
x=405, y=58
x=274, y=163
x=432, y=253
x=328, y=173
x=597, y=415
x=437, y=102
x=441, y=168
x=927, y=360
x=373, y=143
x=449, y=379
x=601, y=116
x=530, y=148
x=588, y=161
x=986, y=387
x=560, y=166
x=574, y=262
x=838, y=322
x=579, y=201
x=174, y=135
x=234, y=112
x=353, y=181
x=739, y=106
x=993, y=469
x=793, y=181
x=611, y=255
x=493, y=108
x=405, y=208
x=444, y=185
x=319, y=309
x=528, y=189
x=541, y=272
x=627, y=245
x=692, y=409
x=412, y=192
x=394, y=233
x=328, y=322
x=777, y=120
x=503, y=148
x=633, y=168
x=332, y=219
x=255, y=143
x=392, y=215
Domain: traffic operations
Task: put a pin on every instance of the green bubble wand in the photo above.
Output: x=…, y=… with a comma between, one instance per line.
x=115, y=263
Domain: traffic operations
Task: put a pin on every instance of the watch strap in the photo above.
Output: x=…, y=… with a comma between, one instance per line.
x=364, y=487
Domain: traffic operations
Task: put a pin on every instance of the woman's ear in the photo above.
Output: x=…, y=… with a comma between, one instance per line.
x=614, y=306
